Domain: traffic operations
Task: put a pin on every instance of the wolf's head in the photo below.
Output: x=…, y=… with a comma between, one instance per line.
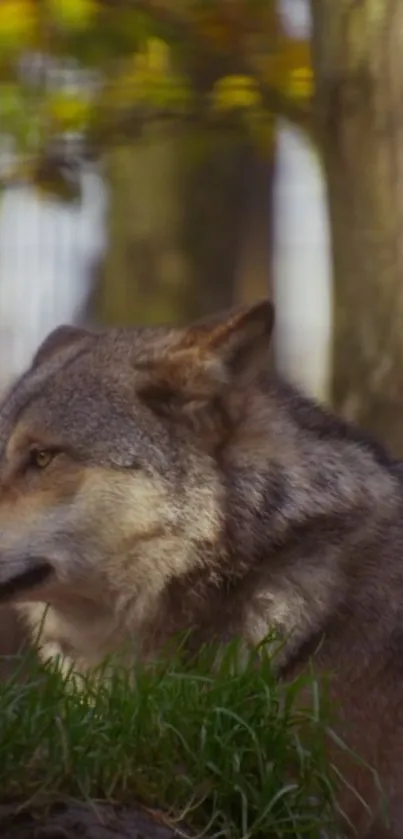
x=111, y=448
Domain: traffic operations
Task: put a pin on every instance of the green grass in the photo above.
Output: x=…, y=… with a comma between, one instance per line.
x=233, y=754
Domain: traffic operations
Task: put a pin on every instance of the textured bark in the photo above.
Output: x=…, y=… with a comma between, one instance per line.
x=358, y=54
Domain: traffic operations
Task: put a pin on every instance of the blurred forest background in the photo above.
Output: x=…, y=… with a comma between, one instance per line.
x=161, y=159
x=138, y=152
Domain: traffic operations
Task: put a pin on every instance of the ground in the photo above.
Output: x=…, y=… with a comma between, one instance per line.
x=88, y=821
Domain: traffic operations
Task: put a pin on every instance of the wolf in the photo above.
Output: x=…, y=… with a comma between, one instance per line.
x=160, y=480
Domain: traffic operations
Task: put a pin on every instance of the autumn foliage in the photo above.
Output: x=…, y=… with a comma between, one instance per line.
x=96, y=70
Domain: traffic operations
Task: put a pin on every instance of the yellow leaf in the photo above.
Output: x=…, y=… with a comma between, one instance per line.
x=68, y=112
x=300, y=83
x=147, y=77
x=73, y=14
x=157, y=54
x=288, y=68
x=235, y=92
x=17, y=24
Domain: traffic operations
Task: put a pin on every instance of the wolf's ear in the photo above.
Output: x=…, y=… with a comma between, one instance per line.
x=240, y=342
x=212, y=359
x=59, y=339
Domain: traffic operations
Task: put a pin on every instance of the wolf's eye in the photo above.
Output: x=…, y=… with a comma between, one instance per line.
x=40, y=458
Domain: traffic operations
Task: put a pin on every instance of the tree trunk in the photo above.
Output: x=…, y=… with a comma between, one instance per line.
x=178, y=227
x=226, y=225
x=146, y=272
x=302, y=271
x=358, y=55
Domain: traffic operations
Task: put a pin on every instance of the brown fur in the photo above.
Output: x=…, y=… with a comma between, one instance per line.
x=191, y=490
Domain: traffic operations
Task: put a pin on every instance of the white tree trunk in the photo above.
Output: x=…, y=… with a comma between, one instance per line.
x=47, y=252
x=302, y=270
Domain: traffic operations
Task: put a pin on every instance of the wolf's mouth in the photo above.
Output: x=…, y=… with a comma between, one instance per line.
x=25, y=581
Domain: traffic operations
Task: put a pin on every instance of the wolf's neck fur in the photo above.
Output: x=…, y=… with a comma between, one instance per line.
x=309, y=508
x=310, y=511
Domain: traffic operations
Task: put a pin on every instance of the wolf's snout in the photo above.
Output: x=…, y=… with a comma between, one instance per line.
x=24, y=580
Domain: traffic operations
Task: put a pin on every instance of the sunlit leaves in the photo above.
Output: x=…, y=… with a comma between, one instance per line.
x=289, y=68
x=19, y=118
x=300, y=83
x=147, y=78
x=18, y=21
x=235, y=92
x=212, y=60
x=73, y=14
x=67, y=111
x=241, y=95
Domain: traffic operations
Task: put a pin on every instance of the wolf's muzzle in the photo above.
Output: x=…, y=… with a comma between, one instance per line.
x=25, y=581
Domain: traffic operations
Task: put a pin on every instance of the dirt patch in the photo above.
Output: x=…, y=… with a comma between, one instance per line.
x=84, y=821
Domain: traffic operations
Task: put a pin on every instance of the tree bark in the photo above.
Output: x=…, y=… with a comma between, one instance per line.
x=226, y=226
x=358, y=56
x=146, y=272
x=179, y=228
